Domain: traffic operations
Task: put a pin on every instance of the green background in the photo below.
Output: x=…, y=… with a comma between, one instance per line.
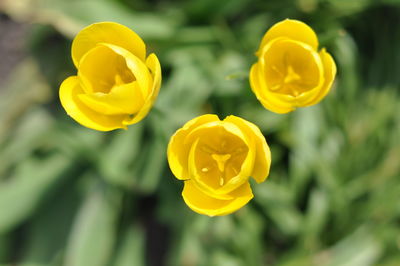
x=77, y=197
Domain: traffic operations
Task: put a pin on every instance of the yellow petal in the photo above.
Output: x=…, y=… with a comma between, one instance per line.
x=267, y=99
x=137, y=66
x=248, y=163
x=329, y=74
x=178, y=150
x=69, y=91
x=99, y=68
x=262, y=161
x=317, y=94
x=106, y=66
x=123, y=99
x=107, y=32
x=154, y=66
x=203, y=204
x=292, y=29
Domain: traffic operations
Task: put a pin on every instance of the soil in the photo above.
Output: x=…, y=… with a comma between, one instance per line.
x=12, y=45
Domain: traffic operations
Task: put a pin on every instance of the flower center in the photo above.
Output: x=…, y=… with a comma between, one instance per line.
x=221, y=160
x=219, y=157
x=291, y=76
x=291, y=68
x=102, y=70
x=289, y=82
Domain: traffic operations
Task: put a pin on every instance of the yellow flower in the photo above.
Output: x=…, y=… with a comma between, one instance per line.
x=290, y=71
x=116, y=84
x=215, y=159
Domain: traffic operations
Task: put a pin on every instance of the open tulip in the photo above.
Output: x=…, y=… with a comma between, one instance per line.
x=116, y=84
x=290, y=71
x=215, y=159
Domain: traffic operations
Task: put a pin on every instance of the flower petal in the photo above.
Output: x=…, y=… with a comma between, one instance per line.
x=292, y=29
x=69, y=91
x=203, y=204
x=137, y=66
x=107, y=32
x=262, y=161
x=154, y=66
x=268, y=99
x=329, y=74
x=178, y=150
x=123, y=99
x=248, y=163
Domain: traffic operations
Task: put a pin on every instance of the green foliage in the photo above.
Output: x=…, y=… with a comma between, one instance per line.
x=72, y=196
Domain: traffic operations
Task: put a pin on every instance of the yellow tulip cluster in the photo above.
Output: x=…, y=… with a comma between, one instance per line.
x=116, y=86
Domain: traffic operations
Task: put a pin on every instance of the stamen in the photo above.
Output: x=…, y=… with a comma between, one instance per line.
x=118, y=80
x=276, y=69
x=223, y=143
x=235, y=171
x=221, y=160
x=205, y=170
x=238, y=151
x=207, y=149
x=291, y=75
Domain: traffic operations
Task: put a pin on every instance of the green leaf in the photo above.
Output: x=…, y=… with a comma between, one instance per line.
x=132, y=249
x=315, y=219
x=5, y=247
x=47, y=236
x=153, y=166
x=23, y=192
x=92, y=237
x=116, y=160
x=359, y=248
x=25, y=137
x=276, y=202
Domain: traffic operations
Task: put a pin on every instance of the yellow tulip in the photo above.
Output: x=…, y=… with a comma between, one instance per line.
x=116, y=84
x=215, y=159
x=290, y=71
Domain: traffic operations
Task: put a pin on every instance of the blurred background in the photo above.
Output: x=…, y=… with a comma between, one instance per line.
x=77, y=197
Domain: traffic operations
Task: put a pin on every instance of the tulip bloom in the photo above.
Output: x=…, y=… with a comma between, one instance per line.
x=290, y=71
x=116, y=84
x=215, y=159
